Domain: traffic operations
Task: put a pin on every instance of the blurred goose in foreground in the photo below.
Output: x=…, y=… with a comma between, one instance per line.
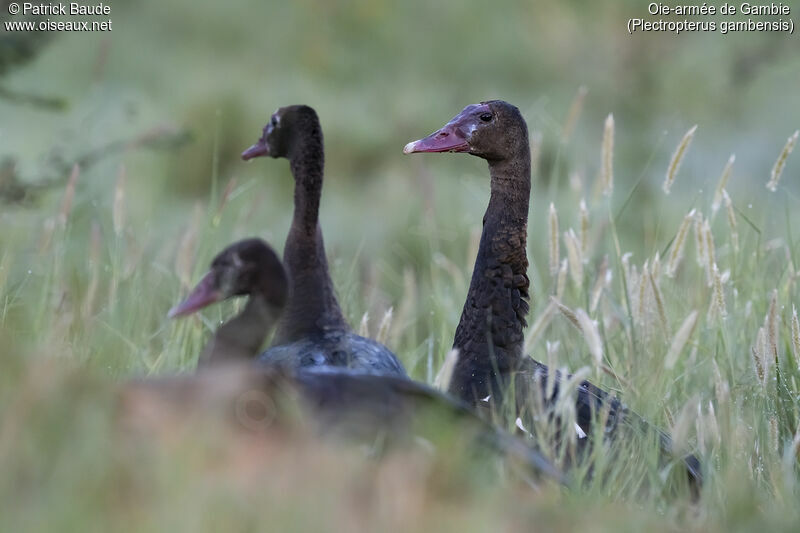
x=312, y=330
x=489, y=337
x=356, y=404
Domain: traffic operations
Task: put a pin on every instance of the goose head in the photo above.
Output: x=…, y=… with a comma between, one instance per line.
x=247, y=267
x=493, y=130
x=279, y=135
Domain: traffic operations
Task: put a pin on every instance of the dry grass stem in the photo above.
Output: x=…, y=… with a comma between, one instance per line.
x=655, y=266
x=445, y=373
x=607, y=157
x=552, y=362
x=677, y=158
x=584, y=229
x=722, y=184
x=94, y=271
x=223, y=200
x=772, y=325
x=591, y=335
x=185, y=257
x=555, y=258
x=574, y=113
x=795, y=337
x=541, y=323
x=676, y=251
x=731, y=221
x=536, y=150
x=385, y=326
x=118, y=208
x=700, y=239
x=407, y=308
x=717, y=307
x=603, y=281
x=713, y=425
x=758, y=351
x=642, y=300
x=773, y=434
x=363, y=326
x=659, y=300
x=711, y=256
x=69, y=195
x=574, y=255
x=5, y=268
x=561, y=282
x=680, y=429
x=777, y=168
x=567, y=312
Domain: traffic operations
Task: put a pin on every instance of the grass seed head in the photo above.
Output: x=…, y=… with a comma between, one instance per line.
x=680, y=339
x=711, y=258
x=584, y=229
x=700, y=239
x=777, y=168
x=717, y=306
x=575, y=257
x=567, y=312
x=603, y=280
x=677, y=158
x=607, y=157
x=561, y=283
x=722, y=184
x=771, y=325
x=592, y=335
x=676, y=251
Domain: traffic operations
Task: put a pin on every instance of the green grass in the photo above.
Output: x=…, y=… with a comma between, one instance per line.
x=84, y=289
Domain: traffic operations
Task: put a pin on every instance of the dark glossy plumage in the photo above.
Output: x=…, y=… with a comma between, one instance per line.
x=489, y=336
x=335, y=348
x=312, y=330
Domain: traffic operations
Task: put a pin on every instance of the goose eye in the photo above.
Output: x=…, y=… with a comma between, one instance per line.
x=486, y=117
x=273, y=122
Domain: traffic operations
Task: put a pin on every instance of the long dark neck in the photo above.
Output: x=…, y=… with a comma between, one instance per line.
x=241, y=337
x=489, y=336
x=312, y=303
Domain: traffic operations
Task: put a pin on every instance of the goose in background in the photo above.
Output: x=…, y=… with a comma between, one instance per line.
x=312, y=330
x=489, y=338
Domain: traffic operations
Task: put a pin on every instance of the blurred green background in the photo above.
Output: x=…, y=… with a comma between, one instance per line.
x=158, y=110
x=201, y=80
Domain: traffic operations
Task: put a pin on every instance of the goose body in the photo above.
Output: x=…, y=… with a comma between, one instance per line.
x=335, y=348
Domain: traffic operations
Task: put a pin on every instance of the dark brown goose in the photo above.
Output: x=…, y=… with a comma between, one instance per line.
x=251, y=268
x=489, y=337
x=312, y=330
x=346, y=402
